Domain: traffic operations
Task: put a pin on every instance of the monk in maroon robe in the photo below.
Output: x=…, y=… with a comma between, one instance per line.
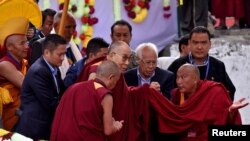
x=85, y=110
x=208, y=101
x=209, y=104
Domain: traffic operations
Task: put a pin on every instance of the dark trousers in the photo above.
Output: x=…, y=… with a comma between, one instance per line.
x=193, y=13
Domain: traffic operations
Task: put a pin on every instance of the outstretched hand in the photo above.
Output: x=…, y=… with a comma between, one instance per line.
x=238, y=105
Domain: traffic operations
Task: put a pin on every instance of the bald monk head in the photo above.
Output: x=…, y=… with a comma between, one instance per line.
x=120, y=53
x=109, y=73
x=187, y=78
x=69, y=27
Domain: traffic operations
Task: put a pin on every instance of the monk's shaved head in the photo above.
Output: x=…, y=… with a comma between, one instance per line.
x=106, y=68
x=191, y=68
x=187, y=78
x=109, y=73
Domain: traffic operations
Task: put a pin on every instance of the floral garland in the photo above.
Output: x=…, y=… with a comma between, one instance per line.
x=137, y=11
x=166, y=9
x=87, y=20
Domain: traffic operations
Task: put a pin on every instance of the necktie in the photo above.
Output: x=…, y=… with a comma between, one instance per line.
x=54, y=76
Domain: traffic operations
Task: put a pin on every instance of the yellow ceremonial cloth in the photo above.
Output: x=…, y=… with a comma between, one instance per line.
x=9, y=109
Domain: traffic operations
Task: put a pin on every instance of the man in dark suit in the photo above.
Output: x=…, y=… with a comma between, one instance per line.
x=148, y=73
x=210, y=68
x=41, y=90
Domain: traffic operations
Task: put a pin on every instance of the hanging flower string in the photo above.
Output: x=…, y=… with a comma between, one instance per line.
x=166, y=9
x=137, y=11
x=87, y=22
x=86, y=18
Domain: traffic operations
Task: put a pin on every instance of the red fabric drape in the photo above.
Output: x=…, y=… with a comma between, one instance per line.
x=208, y=105
x=228, y=8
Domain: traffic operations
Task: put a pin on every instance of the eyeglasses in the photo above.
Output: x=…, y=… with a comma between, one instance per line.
x=149, y=62
x=124, y=57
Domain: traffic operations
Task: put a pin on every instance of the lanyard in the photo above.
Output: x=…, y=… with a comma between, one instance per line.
x=205, y=63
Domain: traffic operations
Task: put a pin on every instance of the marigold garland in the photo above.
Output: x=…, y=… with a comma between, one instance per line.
x=166, y=9
x=86, y=18
x=137, y=11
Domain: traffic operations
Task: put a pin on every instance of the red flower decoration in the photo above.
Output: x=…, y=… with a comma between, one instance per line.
x=128, y=8
x=91, y=9
x=147, y=5
x=126, y=1
x=84, y=19
x=166, y=15
x=74, y=34
x=94, y=20
x=82, y=37
x=131, y=14
x=133, y=2
x=86, y=1
x=61, y=6
x=141, y=4
x=166, y=8
x=73, y=8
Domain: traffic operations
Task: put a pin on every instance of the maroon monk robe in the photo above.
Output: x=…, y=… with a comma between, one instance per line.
x=88, y=68
x=207, y=106
x=79, y=116
x=218, y=103
x=132, y=106
x=9, y=116
x=227, y=8
x=125, y=107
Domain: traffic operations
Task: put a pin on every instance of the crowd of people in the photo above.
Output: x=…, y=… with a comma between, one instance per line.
x=50, y=91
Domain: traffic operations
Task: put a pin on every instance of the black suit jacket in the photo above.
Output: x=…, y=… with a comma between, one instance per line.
x=39, y=99
x=36, y=50
x=217, y=72
x=164, y=77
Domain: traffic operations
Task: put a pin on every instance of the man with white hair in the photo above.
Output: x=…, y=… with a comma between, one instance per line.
x=148, y=73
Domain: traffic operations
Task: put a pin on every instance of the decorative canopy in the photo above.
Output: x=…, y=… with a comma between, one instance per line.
x=20, y=8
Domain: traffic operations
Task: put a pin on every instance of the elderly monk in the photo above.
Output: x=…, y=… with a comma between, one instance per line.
x=13, y=66
x=85, y=110
x=201, y=103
